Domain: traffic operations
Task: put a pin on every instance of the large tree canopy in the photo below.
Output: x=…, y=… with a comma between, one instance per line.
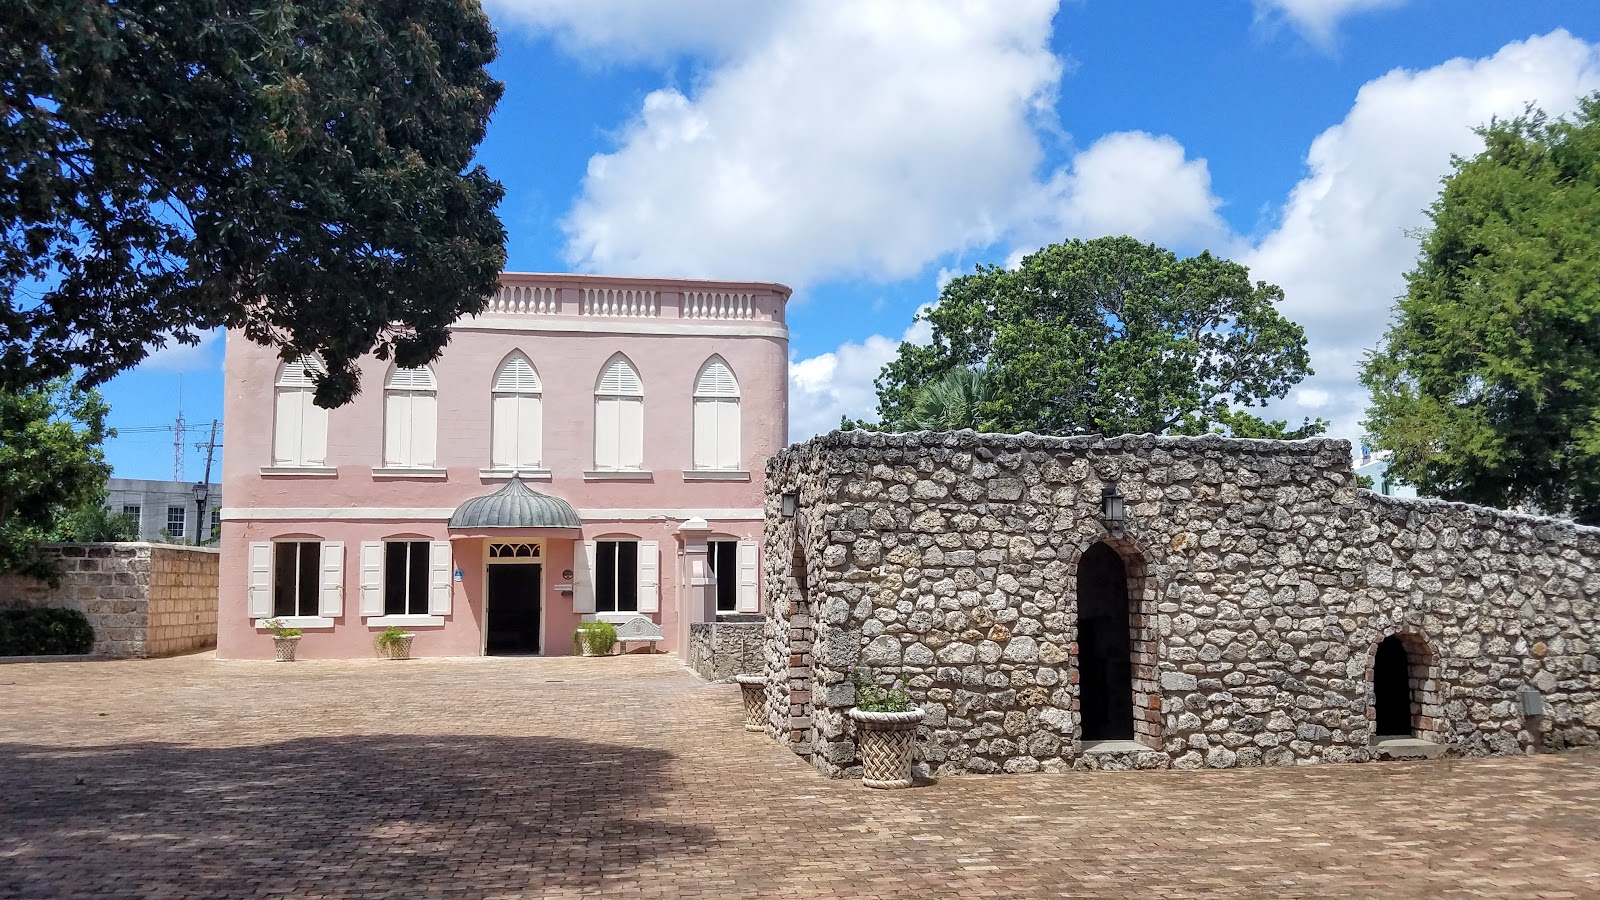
x=296, y=169
x=1109, y=336
x=1487, y=385
x=51, y=462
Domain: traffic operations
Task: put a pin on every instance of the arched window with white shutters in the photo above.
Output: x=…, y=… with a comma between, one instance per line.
x=299, y=425
x=716, y=417
x=618, y=417
x=410, y=419
x=517, y=416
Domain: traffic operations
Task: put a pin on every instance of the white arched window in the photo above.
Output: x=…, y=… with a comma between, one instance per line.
x=716, y=417
x=517, y=416
x=410, y=419
x=299, y=426
x=618, y=417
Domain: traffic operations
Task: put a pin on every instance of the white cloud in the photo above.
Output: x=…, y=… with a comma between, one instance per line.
x=865, y=138
x=839, y=383
x=1317, y=20
x=176, y=357
x=633, y=29
x=1347, y=232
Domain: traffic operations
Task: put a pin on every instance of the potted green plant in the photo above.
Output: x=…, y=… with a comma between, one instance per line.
x=594, y=638
x=394, y=643
x=886, y=731
x=285, y=641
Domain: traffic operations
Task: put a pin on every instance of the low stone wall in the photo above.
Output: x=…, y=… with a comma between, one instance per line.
x=1254, y=584
x=727, y=647
x=140, y=599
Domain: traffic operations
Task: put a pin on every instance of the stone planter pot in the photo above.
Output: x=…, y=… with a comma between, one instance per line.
x=400, y=649
x=887, y=745
x=753, y=690
x=285, y=647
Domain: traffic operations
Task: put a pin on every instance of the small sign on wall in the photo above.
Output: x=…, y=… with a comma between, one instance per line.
x=460, y=575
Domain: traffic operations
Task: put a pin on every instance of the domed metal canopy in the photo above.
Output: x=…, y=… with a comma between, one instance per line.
x=515, y=506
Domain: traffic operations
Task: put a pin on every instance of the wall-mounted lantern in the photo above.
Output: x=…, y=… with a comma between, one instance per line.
x=1112, y=509
x=790, y=501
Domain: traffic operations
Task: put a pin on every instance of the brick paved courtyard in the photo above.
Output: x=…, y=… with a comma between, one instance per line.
x=544, y=778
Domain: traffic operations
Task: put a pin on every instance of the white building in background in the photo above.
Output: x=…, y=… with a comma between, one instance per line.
x=166, y=509
x=1376, y=466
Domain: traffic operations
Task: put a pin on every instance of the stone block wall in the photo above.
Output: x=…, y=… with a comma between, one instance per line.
x=727, y=647
x=1260, y=583
x=140, y=599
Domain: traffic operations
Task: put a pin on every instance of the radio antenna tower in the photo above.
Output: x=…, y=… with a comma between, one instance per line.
x=177, y=437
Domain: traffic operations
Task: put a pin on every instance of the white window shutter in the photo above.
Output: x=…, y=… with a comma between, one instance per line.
x=258, y=603
x=287, y=432
x=396, y=428
x=424, y=430
x=503, y=427
x=314, y=433
x=583, y=583
x=530, y=431
x=705, y=434
x=649, y=576
x=727, y=434
x=371, y=578
x=331, y=602
x=607, y=432
x=631, y=449
x=439, y=575
x=749, y=600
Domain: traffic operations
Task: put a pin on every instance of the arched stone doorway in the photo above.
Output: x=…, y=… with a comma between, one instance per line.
x=1105, y=651
x=1391, y=689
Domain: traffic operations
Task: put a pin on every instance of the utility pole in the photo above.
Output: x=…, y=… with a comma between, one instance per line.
x=202, y=491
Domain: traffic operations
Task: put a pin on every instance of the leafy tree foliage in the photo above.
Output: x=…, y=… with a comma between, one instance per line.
x=1487, y=384
x=295, y=169
x=950, y=402
x=91, y=521
x=50, y=461
x=1109, y=336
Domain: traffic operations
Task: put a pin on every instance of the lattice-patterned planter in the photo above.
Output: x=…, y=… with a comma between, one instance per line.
x=887, y=745
x=753, y=690
x=285, y=647
x=397, y=649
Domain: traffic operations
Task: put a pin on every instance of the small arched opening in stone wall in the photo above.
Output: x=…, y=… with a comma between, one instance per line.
x=1403, y=679
x=1115, y=658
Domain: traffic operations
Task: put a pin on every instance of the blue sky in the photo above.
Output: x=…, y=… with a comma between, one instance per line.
x=863, y=151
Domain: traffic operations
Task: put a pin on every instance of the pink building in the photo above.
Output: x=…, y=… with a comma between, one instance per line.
x=587, y=447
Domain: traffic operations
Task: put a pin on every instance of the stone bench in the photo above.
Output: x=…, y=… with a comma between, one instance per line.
x=639, y=630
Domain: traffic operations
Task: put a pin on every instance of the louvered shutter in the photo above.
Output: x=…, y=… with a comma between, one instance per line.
x=331, y=601
x=288, y=432
x=705, y=434
x=649, y=576
x=396, y=429
x=749, y=600
x=716, y=381
x=583, y=582
x=607, y=432
x=516, y=376
x=619, y=377
x=439, y=575
x=424, y=430
x=728, y=434
x=314, y=432
x=371, y=578
x=530, y=437
x=258, y=601
x=630, y=444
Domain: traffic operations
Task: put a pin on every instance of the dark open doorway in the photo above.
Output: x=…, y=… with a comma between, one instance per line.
x=513, y=608
x=1105, y=662
x=1391, y=688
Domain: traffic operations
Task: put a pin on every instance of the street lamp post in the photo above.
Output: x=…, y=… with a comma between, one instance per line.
x=202, y=493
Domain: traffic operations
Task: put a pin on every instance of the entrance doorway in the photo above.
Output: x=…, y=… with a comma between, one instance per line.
x=1391, y=688
x=1105, y=659
x=513, y=609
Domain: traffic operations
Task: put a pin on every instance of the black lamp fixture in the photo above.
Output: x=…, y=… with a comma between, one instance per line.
x=202, y=493
x=790, y=501
x=1112, y=508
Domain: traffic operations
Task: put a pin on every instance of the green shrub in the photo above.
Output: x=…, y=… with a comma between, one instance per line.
x=44, y=632
x=874, y=697
x=599, y=637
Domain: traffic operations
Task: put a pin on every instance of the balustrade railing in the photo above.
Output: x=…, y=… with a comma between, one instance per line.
x=631, y=304
x=716, y=305
x=521, y=299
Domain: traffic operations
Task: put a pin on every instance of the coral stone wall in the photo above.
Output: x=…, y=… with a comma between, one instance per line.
x=735, y=645
x=1260, y=584
x=140, y=599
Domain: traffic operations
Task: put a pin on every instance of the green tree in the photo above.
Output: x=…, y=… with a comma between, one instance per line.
x=1109, y=336
x=50, y=461
x=91, y=521
x=300, y=170
x=1487, y=385
x=950, y=402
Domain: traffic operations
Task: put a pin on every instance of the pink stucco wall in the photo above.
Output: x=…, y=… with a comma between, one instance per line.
x=569, y=329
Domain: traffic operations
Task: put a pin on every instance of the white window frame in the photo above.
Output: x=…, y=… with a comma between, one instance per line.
x=411, y=545
x=619, y=404
x=183, y=520
x=297, y=420
x=327, y=551
x=410, y=420
x=716, y=420
x=515, y=445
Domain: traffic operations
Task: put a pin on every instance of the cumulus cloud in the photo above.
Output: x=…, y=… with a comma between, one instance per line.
x=176, y=357
x=1317, y=20
x=629, y=29
x=839, y=383
x=859, y=139
x=1347, y=232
